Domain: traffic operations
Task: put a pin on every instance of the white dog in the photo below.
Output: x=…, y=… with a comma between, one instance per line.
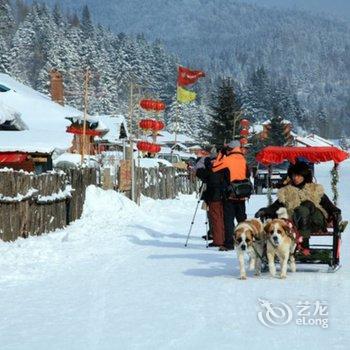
x=249, y=237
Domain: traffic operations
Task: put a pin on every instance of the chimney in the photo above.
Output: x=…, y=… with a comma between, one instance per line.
x=56, y=86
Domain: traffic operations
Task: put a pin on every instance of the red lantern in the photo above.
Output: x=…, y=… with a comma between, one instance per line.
x=154, y=148
x=146, y=124
x=244, y=132
x=158, y=125
x=152, y=105
x=143, y=146
x=244, y=123
x=243, y=141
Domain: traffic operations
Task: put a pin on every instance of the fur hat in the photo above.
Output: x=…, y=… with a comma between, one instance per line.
x=300, y=168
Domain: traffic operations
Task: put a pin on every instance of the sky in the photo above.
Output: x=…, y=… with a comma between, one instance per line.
x=339, y=8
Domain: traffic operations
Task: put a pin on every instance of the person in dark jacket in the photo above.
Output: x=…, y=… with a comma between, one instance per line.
x=306, y=203
x=213, y=196
x=231, y=162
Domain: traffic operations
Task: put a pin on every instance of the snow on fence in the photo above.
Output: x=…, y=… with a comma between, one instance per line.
x=33, y=204
x=164, y=182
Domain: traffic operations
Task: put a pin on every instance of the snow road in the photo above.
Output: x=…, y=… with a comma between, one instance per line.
x=121, y=278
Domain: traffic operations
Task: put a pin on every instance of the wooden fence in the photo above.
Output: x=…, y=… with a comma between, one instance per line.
x=34, y=204
x=164, y=183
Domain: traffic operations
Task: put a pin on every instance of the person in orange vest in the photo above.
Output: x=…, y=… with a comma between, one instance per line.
x=231, y=158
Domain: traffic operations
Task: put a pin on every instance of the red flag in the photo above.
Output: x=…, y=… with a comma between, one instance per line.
x=187, y=76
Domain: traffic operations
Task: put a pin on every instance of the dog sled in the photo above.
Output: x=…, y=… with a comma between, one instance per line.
x=319, y=253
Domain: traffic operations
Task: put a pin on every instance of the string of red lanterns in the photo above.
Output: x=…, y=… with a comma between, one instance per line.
x=152, y=105
x=151, y=124
x=244, y=123
x=148, y=124
x=148, y=147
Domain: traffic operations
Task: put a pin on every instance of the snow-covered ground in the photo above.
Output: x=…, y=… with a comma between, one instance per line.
x=121, y=278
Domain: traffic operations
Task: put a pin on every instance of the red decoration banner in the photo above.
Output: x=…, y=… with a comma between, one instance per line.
x=187, y=76
x=276, y=155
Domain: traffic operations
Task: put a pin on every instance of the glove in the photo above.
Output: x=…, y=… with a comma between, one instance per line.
x=261, y=213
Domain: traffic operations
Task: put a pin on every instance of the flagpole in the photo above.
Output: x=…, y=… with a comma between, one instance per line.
x=176, y=120
x=177, y=110
x=86, y=86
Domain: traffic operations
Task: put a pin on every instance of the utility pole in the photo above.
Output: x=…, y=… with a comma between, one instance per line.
x=87, y=77
x=176, y=121
x=131, y=142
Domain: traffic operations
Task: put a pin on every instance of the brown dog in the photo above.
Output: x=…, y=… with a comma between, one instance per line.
x=249, y=237
x=280, y=242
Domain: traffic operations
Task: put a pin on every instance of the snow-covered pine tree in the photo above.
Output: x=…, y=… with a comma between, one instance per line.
x=180, y=118
x=225, y=115
x=256, y=144
x=322, y=122
x=57, y=15
x=257, y=97
x=7, y=25
x=21, y=10
x=23, y=53
x=121, y=68
x=344, y=142
x=86, y=25
x=7, y=21
x=74, y=20
x=73, y=70
x=276, y=134
x=4, y=56
x=45, y=40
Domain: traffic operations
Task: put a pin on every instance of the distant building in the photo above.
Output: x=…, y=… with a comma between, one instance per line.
x=117, y=132
x=311, y=140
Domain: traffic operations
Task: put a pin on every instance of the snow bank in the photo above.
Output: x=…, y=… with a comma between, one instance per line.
x=100, y=203
x=123, y=268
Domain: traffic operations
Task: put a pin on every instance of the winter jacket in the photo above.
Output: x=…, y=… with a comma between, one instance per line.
x=235, y=162
x=292, y=196
x=215, y=184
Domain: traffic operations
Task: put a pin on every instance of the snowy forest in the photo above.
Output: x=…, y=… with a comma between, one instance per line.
x=286, y=60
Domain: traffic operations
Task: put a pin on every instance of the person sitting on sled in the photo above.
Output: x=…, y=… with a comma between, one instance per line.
x=306, y=203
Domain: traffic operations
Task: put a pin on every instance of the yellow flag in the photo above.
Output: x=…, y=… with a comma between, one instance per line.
x=185, y=96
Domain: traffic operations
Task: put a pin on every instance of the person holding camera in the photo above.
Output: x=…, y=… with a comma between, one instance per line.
x=213, y=195
x=231, y=159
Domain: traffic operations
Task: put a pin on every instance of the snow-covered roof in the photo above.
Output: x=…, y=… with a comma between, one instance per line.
x=114, y=124
x=74, y=159
x=183, y=155
x=195, y=147
x=101, y=126
x=284, y=121
x=44, y=118
x=256, y=128
x=180, y=145
x=168, y=137
x=152, y=163
x=32, y=141
x=7, y=114
x=313, y=140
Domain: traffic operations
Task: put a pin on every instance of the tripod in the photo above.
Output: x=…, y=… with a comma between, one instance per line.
x=201, y=189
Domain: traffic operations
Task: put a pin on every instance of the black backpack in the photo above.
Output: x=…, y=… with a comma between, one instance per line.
x=239, y=189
